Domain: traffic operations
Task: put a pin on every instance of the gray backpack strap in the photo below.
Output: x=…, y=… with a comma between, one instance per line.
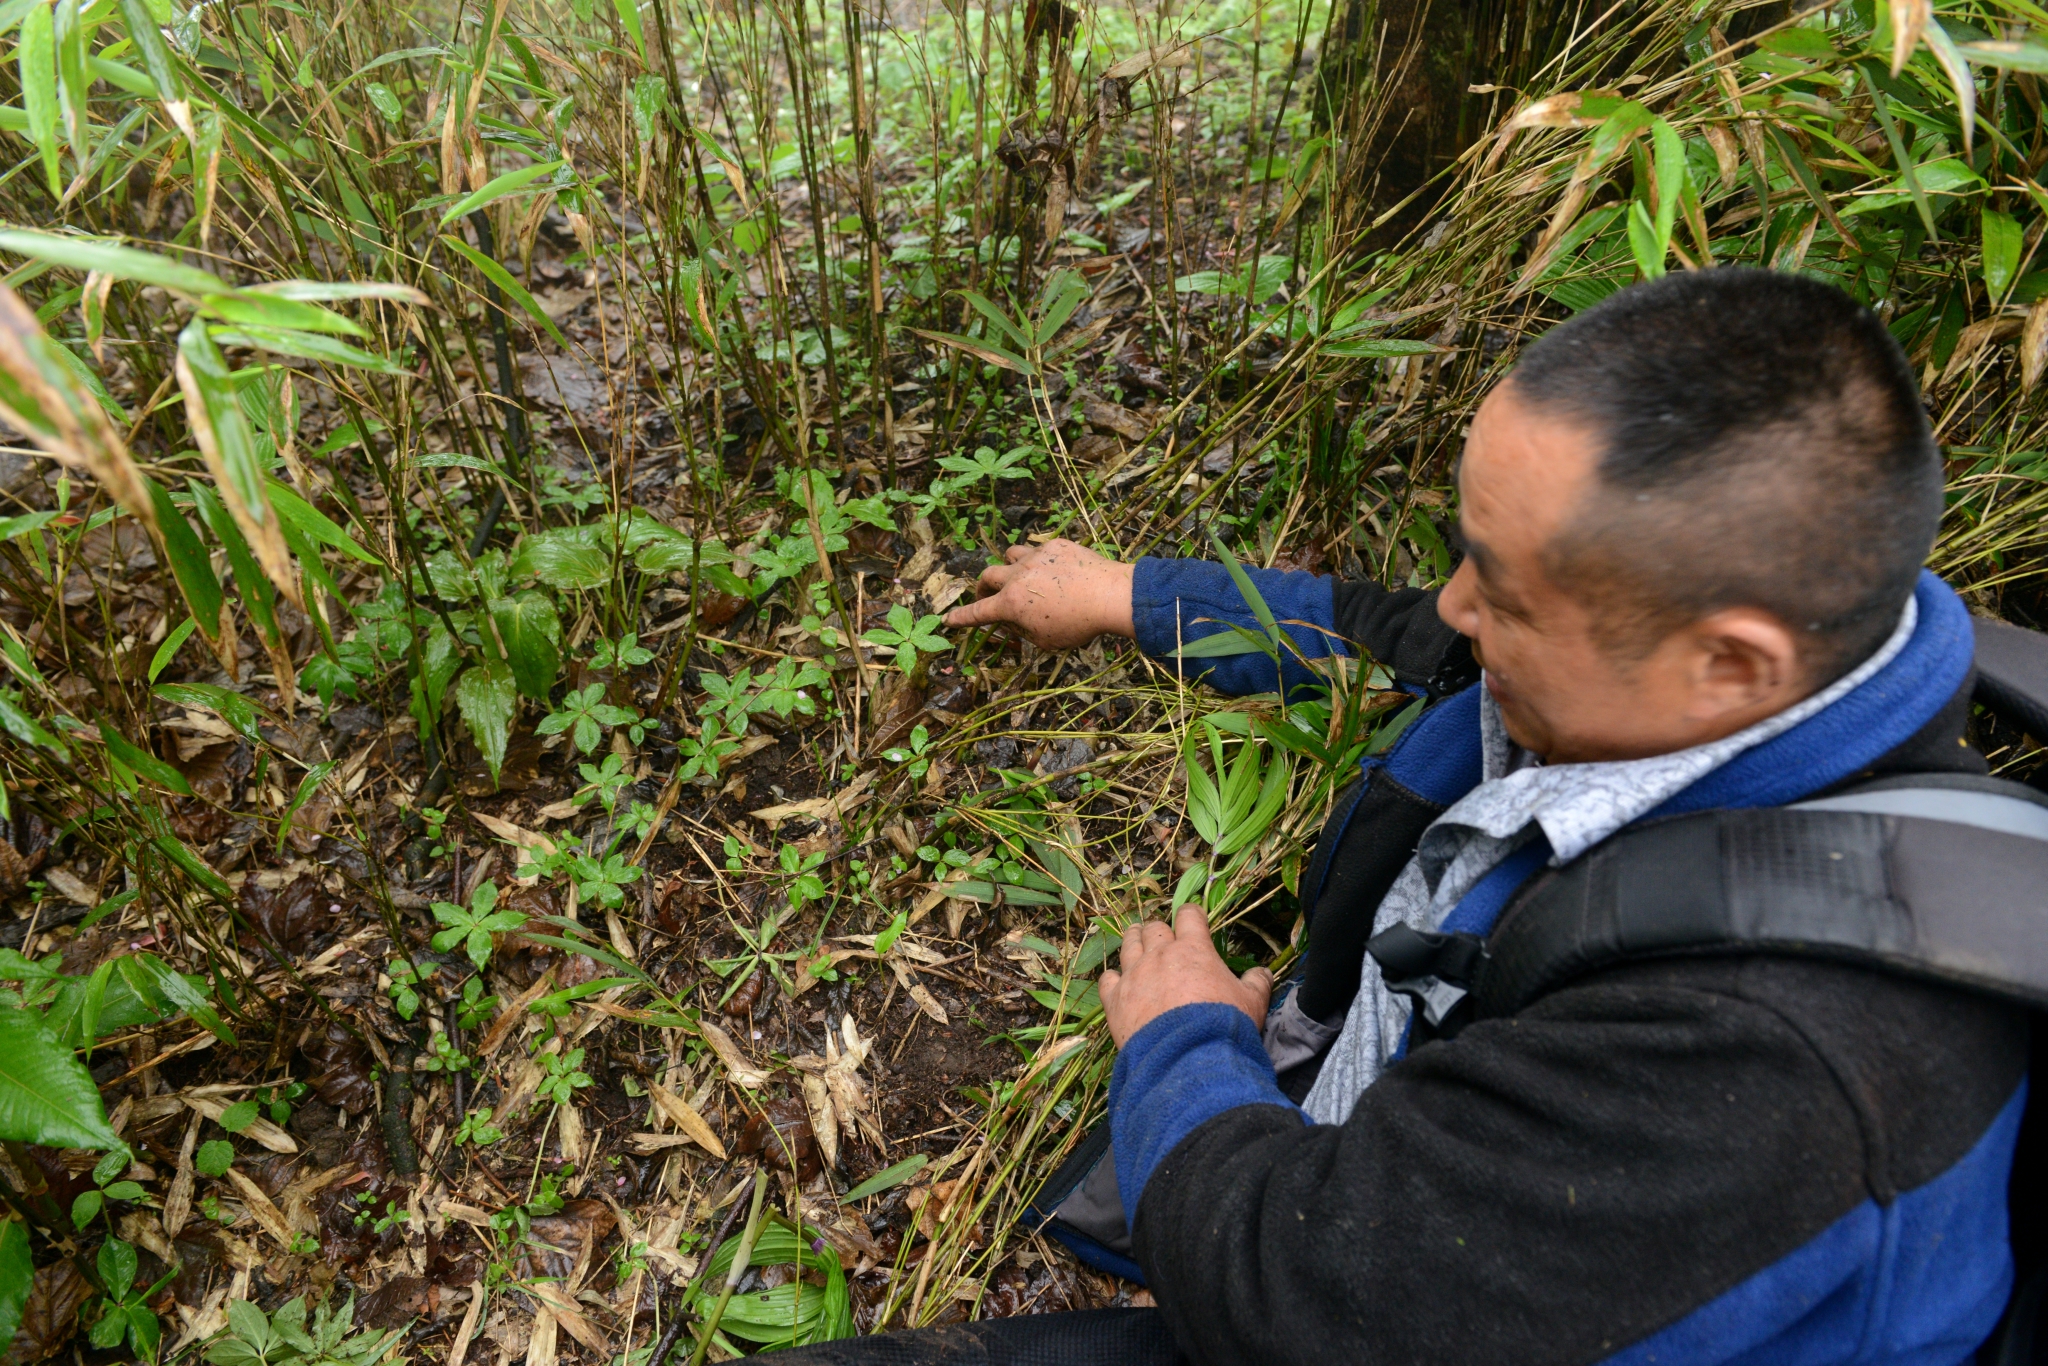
x=1943, y=878
x=2012, y=674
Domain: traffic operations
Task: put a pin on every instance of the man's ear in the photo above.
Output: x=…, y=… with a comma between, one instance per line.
x=1743, y=660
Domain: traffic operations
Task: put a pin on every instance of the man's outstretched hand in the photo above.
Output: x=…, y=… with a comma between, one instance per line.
x=1058, y=594
x=1168, y=967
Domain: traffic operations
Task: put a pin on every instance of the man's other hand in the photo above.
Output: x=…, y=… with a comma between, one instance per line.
x=1058, y=594
x=1167, y=967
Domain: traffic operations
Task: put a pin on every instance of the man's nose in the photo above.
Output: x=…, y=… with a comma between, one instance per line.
x=1457, y=604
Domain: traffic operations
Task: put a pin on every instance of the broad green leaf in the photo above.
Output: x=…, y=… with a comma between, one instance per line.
x=2003, y=242
x=143, y=762
x=487, y=699
x=1643, y=242
x=214, y=1158
x=498, y=187
x=46, y=1095
x=23, y=727
x=191, y=566
x=123, y=263
x=17, y=1277
x=502, y=278
x=1669, y=161
x=36, y=57
x=532, y=635
x=86, y=1207
x=117, y=1267
x=1617, y=129
x=650, y=98
x=566, y=557
x=122, y=75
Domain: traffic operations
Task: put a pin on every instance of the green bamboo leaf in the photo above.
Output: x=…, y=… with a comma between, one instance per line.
x=487, y=697
x=329, y=291
x=1788, y=151
x=46, y=1095
x=984, y=350
x=1961, y=82
x=227, y=438
x=886, y=1179
x=629, y=18
x=306, y=346
x=498, y=187
x=108, y=258
x=121, y=74
x=1902, y=155
x=74, y=79
x=1245, y=588
x=17, y=1277
x=36, y=57
x=502, y=278
x=2003, y=243
x=194, y=866
x=143, y=762
x=271, y=310
x=998, y=319
x=316, y=524
x=156, y=57
x=191, y=566
x=258, y=596
x=1669, y=160
x=1235, y=640
x=308, y=785
x=238, y=711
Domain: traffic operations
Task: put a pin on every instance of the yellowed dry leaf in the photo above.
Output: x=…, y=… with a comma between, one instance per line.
x=916, y=991
x=260, y=1130
x=736, y=1064
x=692, y=1124
x=2034, y=345
x=68, y=422
x=1909, y=25
x=267, y=1216
x=459, y=1348
x=178, y=1199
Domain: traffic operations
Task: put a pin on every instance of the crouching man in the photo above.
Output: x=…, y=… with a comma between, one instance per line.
x=1693, y=521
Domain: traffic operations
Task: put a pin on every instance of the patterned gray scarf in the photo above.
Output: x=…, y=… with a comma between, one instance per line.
x=1574, y=805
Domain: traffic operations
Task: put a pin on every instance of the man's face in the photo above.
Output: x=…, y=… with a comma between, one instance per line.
x=1562, y=694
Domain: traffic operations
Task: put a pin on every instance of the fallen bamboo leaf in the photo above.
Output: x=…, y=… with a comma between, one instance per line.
x=1166, y=55
x=1909, y=23
x=568, y=1315
x=926, y=1002
x=824, y=1123
x=685, y=1117
x=260, y=1130
x=540, y=1344
x=178, y=1199
x=819, y=808
x=459, y=1348
x=2034, y=345
x=268, y=1217
x=741, y=1071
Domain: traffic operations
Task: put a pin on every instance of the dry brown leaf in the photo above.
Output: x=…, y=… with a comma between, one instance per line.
x=51, y=1314
x=692, y=1124
x=540, y=1344
x=1166, y=55
x=569, y=1133
x=646, y=1144
x=829, y=808
x=566, y=1312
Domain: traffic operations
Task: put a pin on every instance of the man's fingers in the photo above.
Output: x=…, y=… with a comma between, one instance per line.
x=979, y=613
x=996, y=575
x=1017, y=553
x=1191, y=920
x=1153, y=934
x=1106, y=984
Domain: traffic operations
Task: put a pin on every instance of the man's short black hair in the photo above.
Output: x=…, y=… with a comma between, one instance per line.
x=1763, y=445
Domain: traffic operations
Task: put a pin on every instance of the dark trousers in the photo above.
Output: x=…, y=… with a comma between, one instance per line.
x=1087, y=1337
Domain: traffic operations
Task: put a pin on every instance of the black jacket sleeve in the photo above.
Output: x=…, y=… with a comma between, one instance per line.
x=1399, y=627
x=1550, y=1187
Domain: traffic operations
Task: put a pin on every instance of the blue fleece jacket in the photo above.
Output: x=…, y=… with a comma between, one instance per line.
x=1868, y=1288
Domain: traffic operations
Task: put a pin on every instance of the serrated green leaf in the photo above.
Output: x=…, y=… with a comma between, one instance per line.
x=564, y=558
x=214, y=1157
